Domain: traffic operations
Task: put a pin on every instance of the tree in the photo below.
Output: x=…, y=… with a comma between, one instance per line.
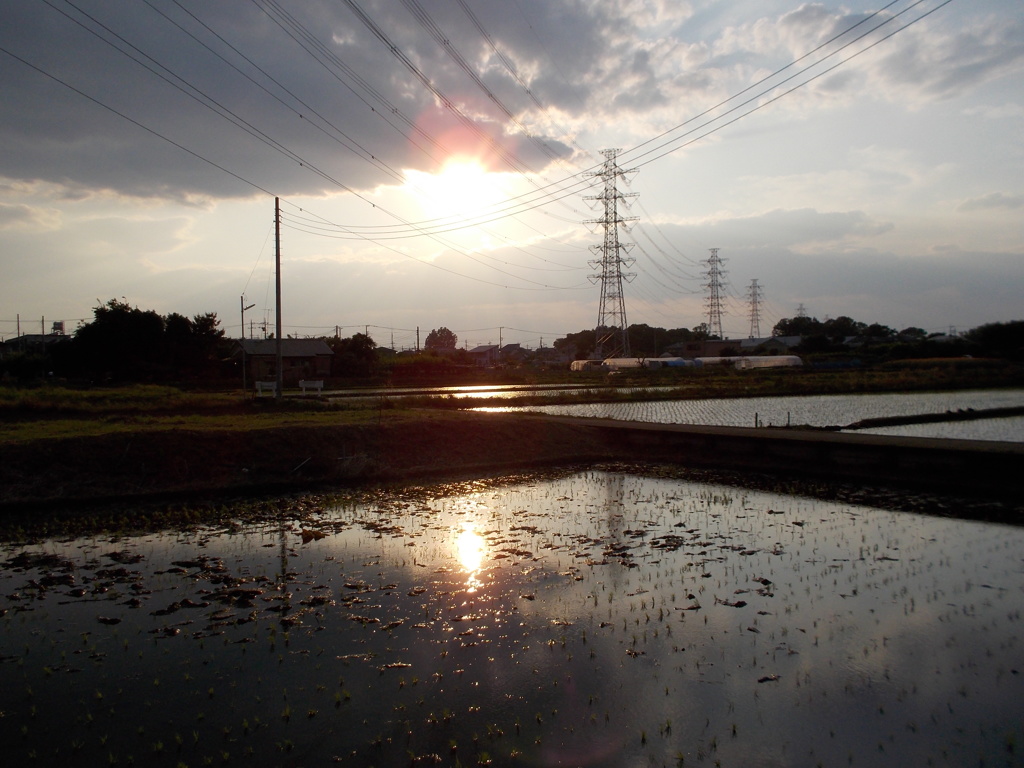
x=999, y=339
x=839, y=328
x=122, y=342
x=877, y=333
x=701, y=332
x=354, y=356
x=125, y=343
x=912, y=335
x=579, y=346
x=797, y=326
x=441, y=338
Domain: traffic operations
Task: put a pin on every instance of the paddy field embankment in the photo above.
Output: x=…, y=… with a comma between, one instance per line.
x=63, y=447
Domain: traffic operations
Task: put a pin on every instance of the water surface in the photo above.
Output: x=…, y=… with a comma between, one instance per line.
x=818, y=411
x=595, y=618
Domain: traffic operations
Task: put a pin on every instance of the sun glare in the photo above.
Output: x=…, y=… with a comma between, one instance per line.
x=461, y=188
x=471, y=550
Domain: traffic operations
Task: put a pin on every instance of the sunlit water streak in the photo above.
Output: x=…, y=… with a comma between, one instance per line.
x=817, y=411
x=597, y=619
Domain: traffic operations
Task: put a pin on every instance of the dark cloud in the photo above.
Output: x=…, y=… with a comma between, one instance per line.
x=81, y=112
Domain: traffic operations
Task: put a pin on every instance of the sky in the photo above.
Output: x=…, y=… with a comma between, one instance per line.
x=452, y=163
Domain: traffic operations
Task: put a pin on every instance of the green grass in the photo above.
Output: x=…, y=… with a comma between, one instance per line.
x=49, y=401
x=47, y=412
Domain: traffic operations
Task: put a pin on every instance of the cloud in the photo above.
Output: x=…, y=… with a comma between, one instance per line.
x=997, y=112
x=992, y=200
x=942, y=57
x=190, y=116
x=795, y=229
x=28, y=217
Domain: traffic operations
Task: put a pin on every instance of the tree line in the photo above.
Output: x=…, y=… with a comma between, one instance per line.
x=837, y=336
x=126, y=344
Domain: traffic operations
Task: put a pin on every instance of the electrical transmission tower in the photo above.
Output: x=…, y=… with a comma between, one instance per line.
x=754, y=296
x=715, y=274
x=611, y=315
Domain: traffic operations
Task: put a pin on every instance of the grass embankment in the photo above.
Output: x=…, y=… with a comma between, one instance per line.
x=51, y=412
x=63, y=445
x=58, y=412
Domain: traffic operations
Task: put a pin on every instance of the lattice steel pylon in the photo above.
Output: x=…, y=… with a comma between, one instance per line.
x=754, y=295
x=611, y=315
x=714, y=273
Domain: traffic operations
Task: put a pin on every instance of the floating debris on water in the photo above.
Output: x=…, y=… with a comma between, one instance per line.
x=603, y=617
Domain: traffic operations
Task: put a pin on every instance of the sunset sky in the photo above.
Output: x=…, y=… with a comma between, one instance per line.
x=433, y=160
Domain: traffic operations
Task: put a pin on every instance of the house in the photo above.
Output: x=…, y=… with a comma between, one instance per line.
x=512, y=353
x=300, y=358
x=484, y=355
x=38, y=343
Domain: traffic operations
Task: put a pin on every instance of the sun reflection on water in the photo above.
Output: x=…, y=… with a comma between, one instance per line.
x=471, y=549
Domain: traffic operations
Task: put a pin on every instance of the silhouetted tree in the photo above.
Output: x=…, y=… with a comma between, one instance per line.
x=579, y=346
x=999, y=339
x=441, y=338
x=797, y=326
x=122, y=342
x=839, y=328
x=912, y=335
x=125, y=343
x=877, y=333
x=354, y=356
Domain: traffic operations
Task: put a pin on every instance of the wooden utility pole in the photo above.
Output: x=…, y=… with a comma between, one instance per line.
x=277, y=292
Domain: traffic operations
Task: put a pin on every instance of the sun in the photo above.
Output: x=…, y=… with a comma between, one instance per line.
x=462, y=188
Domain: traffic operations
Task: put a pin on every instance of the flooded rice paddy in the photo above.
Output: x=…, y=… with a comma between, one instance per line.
x=594, y=618
x=818, y=411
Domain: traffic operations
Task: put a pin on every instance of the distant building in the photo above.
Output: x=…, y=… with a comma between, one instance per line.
x=301, y=359
x=772, y=345
x=484, y=355
x=37, y=343
x=512, y=353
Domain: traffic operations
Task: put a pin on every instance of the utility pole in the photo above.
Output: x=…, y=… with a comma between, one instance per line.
x=417, y=338
x=279, y=352
x=241, y=303
x=713, y=303
x=611, y=314
x=244, y=361
x=754, y=296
